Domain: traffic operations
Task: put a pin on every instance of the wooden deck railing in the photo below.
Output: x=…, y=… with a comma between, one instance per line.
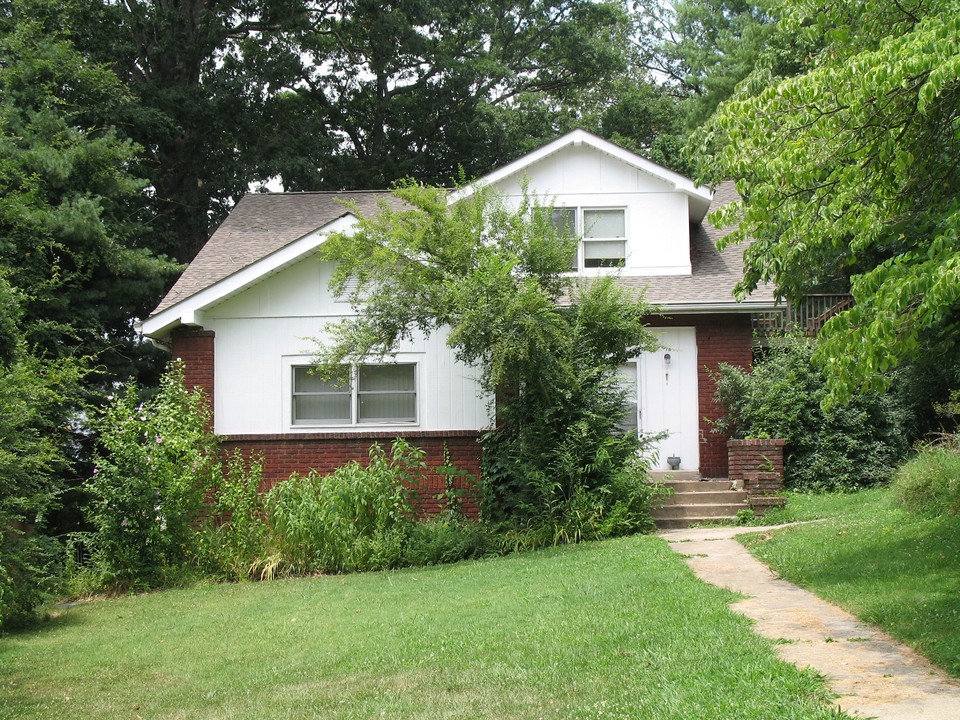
x=808, y=317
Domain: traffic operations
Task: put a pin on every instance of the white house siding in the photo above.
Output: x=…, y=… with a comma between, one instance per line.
x=657, y=216
x=265, y=330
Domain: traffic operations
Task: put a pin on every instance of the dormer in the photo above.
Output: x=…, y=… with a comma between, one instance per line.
x=633, y=215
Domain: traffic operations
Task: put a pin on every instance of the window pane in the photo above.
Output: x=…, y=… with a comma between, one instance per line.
x=604, y=253
x=386, y=378
x=565, y=220
x=628, y=381
x=305, y=381
x=388, y=406
x=603, y=224
x=333, y=408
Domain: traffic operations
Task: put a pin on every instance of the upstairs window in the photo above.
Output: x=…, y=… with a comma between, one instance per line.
x=358, y=395
x=603, y=232
x=604, y=238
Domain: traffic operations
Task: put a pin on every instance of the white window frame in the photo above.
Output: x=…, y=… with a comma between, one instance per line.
x=580, y=229
x=355, y=396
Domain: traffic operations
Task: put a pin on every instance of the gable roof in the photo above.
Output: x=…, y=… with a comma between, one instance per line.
x=266, y=232
x=261, y=224
x=699, y=197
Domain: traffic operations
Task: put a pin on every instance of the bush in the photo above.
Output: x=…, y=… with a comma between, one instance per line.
x=231, y=541
x=929, y=483
x=841, y=448
x=356, y=518
x=155, y=464
x=34, y=410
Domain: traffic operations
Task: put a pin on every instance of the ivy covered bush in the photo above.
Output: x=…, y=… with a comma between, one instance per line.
x=842, y=447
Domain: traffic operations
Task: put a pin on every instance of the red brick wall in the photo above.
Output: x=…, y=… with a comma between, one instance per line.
x=324, y=452
x=757, y=464
x=195, y=346
x=720, y=339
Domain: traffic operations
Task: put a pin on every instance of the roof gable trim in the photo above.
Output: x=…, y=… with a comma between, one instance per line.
x=186, y=311
x=700, y=197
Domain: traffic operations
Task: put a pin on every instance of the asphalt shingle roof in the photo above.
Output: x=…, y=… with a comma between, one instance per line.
x=263, y=223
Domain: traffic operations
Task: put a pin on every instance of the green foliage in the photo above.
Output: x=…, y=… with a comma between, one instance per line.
x=70, y=210
x=842, y=447
x=702, y=49
x=929, y=483
x=155, y=463
x=493, y=278
x=231, y=539
x=356, y=518
x=848, y=174
x=35, y=397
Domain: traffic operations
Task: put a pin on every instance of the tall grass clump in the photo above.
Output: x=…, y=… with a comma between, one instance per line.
x=929, y=483
x=355, y=518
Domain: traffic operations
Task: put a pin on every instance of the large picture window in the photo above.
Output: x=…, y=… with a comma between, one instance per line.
x=603, y=232
x=360, y=394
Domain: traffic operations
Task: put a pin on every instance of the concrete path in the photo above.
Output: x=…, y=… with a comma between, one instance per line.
x=873, y=675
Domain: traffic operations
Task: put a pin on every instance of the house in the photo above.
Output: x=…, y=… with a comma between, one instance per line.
x=244, y=312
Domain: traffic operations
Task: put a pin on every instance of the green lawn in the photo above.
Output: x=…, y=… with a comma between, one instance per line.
x=619, y=629
x=891, y=568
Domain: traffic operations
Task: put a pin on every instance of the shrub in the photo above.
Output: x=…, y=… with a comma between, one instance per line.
x=843, y=447
x=446, y=538
x=154, y=465
x=929, y=483
x=231, y=540
x=356, y=518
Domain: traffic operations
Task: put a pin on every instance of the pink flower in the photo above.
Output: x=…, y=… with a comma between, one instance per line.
x=159, y=439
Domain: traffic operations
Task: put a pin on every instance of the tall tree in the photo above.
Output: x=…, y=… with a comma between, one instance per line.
x=849, y=171
x=335, y=94
x=35, y=396
x=70, y=212
x=493, y=277
x=700, y=50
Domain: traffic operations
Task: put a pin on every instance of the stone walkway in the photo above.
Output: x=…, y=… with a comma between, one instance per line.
x=873, y=675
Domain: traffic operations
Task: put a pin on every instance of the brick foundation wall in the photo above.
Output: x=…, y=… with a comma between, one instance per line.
x=324, y=452
x=195, y=346
x=720, y=339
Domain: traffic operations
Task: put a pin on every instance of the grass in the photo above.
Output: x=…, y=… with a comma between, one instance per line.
x=619, y=629
x=891, y=568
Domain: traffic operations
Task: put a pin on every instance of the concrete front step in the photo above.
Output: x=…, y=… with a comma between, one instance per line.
x=726, y=510
x=708, y=497
x=667, y=476
x=698, y=486
x=698, y=501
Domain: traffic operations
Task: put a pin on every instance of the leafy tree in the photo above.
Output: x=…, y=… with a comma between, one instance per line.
x=337, y=94
x=702, y=49
x=70, y=211
x=848, y=172
x=493, y=278
x=34, y=396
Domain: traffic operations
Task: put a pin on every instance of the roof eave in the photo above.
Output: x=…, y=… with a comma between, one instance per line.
x=747, y=306
x=700, y=197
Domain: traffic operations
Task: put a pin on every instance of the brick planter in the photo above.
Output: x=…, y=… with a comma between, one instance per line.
x=756, y=465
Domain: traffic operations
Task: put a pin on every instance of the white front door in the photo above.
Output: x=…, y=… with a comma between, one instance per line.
x=668, y=398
